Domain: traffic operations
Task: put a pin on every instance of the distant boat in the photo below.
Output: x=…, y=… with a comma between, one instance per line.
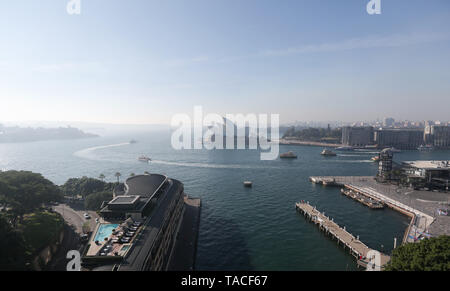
x=345, y=148
x=394, y=150
x=248, y=184
x=288, y=155
x=133, y=141
x=375, y=158
x=426, y=148
x=144, y=159
x=328, y=153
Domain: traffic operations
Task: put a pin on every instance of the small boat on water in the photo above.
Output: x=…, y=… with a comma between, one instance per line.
x=345, y=148
x=394, y=150
x=426, y=148
x=288, y=155
x=375, y=158
x=328, y=153
x=144, y=159
x=248, y=184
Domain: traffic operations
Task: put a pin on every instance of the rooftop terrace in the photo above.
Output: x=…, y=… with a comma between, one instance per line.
x=144, y=185
x=429, y=165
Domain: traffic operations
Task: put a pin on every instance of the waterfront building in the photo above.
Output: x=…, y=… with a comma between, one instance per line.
x=431, y=174
x=142, y=223
x=404, y=139
x=357, y=136
x=440, y=136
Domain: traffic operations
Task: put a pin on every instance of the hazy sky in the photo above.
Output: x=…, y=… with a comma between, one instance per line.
x=142, y=61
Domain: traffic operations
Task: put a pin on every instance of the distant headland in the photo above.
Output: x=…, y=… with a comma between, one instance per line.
x=15, y=134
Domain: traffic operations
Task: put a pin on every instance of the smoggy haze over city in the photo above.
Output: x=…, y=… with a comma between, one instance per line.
x=142, y=62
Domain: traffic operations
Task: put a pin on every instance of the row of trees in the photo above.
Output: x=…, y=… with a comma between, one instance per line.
x=314, y=134
x=118, y=175
x=85, y=186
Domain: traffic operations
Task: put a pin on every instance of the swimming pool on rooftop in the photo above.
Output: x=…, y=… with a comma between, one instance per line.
x=104, y=231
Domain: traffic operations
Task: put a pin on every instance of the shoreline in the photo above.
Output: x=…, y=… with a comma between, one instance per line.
x=309, y=143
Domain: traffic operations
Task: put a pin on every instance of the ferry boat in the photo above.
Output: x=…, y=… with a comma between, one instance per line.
x=288, y=155
x=345, y=148
x=426, y=148
x=328, y=153
x=144, y=159
x=375, y=158
x=248, y=184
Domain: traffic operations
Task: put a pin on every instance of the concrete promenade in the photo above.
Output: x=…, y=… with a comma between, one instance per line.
x=421, y=206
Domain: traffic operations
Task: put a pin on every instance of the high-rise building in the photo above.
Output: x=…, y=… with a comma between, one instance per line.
x=357, y=136
x=389, y=122
x=142, y=225
x=440, y=136
x=406, y=139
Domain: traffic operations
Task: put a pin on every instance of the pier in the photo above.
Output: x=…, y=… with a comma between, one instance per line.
x=366, y=187
x=358, y=249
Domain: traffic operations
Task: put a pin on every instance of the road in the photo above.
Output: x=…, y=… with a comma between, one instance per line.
x=75, y=217
x=74, y=227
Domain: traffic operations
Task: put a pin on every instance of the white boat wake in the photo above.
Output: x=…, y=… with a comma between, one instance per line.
x=350, y=155
x=87, y=153
x=349, y=161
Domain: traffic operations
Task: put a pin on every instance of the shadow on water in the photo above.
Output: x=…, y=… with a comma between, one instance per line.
x=221, y=246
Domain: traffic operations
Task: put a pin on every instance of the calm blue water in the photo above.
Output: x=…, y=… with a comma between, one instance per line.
x=104, y=231
x=241, y=228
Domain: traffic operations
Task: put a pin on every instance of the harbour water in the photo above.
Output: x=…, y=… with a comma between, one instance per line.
x=241, y=228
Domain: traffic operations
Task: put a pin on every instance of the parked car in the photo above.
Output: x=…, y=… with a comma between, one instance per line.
x=84, y=238
x=87, y=216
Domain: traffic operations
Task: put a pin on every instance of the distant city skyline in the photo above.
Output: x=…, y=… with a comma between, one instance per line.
x=305, y=123
x=140, y=63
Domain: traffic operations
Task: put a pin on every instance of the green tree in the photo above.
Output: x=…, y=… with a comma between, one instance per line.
x=24, y=191
x=12, y=247
x=118, y=176
x=102, y=177
x=95, y=200
x=315, y=134
x=427, y=255
x=85, y=186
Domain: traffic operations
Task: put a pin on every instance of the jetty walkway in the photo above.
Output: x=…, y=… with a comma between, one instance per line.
x=358, y=249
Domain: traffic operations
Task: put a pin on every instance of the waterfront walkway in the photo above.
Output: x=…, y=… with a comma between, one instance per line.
x=358, y=249
x=420, y=206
